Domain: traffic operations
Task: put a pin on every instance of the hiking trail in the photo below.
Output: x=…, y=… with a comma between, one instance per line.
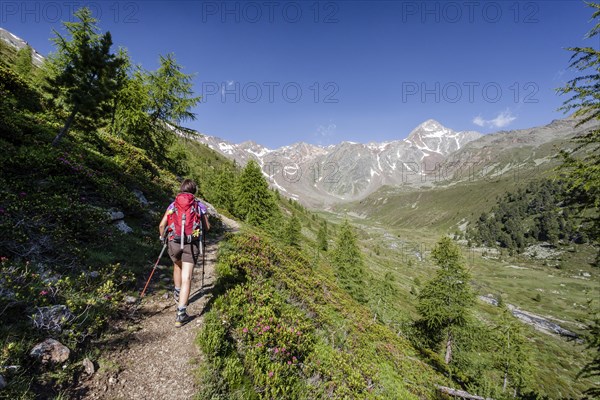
x=147, y=357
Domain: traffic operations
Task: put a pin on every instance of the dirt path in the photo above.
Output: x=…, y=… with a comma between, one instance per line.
x=148, y=357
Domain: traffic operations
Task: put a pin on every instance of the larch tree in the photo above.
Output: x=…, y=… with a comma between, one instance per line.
x=511, y=354
x=254, y=202
x=445, y=302
x=582, y=166
x=85, y=71
x=24, y=62
x=292, y=231
x=349, y=264
x=322, y=237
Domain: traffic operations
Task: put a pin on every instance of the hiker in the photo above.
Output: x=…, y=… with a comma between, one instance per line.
x=188, y=211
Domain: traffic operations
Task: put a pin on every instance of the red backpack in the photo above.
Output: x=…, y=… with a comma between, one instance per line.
x=187, y=214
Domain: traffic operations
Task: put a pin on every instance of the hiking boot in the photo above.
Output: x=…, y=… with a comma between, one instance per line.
x=182, y=318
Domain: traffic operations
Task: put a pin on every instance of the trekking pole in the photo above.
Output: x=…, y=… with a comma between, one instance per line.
x=163, y=239
x=203, y=256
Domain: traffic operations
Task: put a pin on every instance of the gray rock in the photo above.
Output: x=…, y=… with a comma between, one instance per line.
x=47, y=275
x=140, y=196
x=52, y=318
x=115, y=215
x=50, y=351
x=112, y=380
x=129, y=300
x=94, y=274
x=123, y=227
x=489, y=299
x=2, y=382
x=89, y=366
x=541, y=323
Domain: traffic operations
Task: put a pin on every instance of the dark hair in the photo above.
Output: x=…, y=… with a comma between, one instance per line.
x=188, y=186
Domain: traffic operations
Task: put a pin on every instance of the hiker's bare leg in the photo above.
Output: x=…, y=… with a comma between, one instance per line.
x=177, y=274
x=185, y=277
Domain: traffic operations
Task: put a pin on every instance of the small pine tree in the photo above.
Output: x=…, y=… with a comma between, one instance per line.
x=445, y=302
x=511, y=354
x=129, y=119
x=322, y=238
x=24, y=62
x=171, y=94
x=292, y=231
x=223, y=190
x=349, y=263
x=254, y=202
x=85, y=70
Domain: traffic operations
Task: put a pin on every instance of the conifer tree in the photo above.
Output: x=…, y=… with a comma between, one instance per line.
x=171, y=94
x=349, y=268
x=322, y=237
x=130, y=119
x=511, y=354
x=254, y=202
x=292, y=231
x=583, y=166
x=24, y=62
x=445, y=302
x=85, y=70
x=223, y=190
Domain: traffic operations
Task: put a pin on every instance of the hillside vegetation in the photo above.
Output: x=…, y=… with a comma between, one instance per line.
x=67, y=268
x=306, y=305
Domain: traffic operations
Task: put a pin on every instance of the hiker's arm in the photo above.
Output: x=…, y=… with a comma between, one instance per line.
x=206, y=223
x=162, y=225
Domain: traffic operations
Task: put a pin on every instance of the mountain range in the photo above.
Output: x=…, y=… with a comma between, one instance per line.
x=431, y=155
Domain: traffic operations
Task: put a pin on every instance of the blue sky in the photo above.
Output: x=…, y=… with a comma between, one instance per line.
x=279, y=72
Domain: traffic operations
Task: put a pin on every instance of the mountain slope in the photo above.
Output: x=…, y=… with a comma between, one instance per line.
x=467, y=181
x=17, y=43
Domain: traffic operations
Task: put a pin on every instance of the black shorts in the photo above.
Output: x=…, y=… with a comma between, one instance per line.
x=189, y=254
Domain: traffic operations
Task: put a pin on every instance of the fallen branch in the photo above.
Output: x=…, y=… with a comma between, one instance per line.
x=461, y=393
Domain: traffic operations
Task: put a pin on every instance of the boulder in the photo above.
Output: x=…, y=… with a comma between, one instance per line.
x=115, y=215
x=50, y=351
x=123, y=227
x=140, y=196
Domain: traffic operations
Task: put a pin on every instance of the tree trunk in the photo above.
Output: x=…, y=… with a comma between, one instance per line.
x=448, y=357
x=461, y=393
x=113, y=116
x=66, y=127
x=507, y=364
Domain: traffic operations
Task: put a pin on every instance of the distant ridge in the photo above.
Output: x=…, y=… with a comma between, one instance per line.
x=19, y=43
x=347, y=170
